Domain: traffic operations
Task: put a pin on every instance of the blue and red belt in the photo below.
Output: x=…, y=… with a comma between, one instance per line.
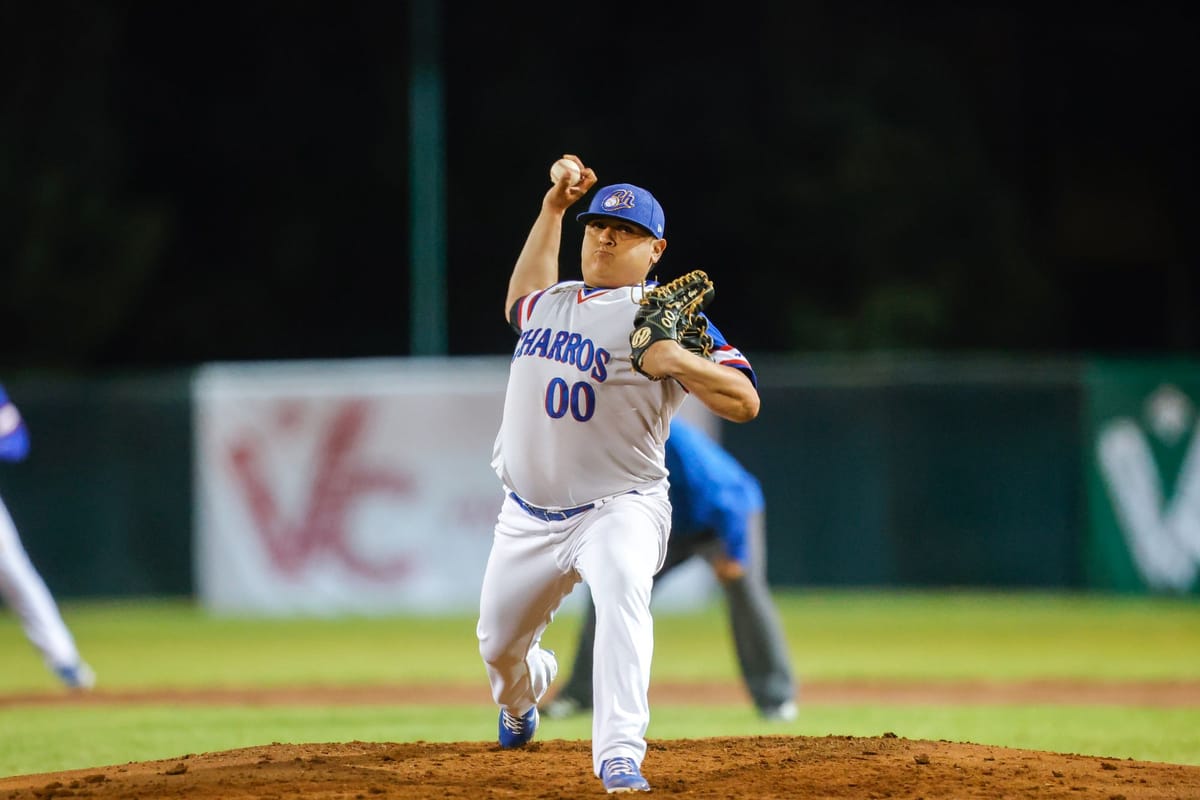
x=550, y=514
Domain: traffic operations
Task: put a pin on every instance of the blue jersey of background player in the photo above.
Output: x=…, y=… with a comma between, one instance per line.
x=21, y=586
x=712, y=495
x=717, y=513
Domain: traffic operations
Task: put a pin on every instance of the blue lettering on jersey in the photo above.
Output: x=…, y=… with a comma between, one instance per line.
x=525, y=343
x=584, y=355
x=559, y=339
x=542, y=343
x=565, y=348
x=600, y=373
x=572, y=347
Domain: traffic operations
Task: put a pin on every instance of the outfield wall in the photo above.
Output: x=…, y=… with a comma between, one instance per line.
x=103, y=503
x=897, y=472
x=919, y=472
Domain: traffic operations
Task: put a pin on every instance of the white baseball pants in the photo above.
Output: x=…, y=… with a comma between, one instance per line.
x=26, y=594
x=534, y=564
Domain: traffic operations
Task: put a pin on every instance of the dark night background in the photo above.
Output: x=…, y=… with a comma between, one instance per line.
x=182, y=183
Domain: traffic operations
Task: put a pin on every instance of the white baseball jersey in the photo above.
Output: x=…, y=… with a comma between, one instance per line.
x=580, y=428
x=561, y=443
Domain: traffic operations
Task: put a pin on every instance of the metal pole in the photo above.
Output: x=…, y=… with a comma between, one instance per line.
x=427, y=231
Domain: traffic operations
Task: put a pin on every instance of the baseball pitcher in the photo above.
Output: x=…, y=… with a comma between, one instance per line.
x=599, y=368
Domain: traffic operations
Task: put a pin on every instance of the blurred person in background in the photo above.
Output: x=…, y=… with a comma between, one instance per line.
x=21, y=586
x=717, y=514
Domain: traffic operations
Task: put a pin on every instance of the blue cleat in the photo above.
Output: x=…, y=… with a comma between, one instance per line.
x=77, y=676
x=622, y=775
x=517, y=731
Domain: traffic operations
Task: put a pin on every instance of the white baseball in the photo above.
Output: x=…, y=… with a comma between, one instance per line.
x=565, y=166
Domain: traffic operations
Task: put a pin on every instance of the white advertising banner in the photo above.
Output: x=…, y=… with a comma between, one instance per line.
x=345, y=487
x=359, y=487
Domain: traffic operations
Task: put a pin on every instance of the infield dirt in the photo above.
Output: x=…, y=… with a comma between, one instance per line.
x=797, y=767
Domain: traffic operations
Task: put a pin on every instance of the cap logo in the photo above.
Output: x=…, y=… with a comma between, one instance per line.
x=621, y=198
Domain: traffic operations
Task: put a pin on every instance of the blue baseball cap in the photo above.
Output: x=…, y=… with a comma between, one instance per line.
x=628, y=202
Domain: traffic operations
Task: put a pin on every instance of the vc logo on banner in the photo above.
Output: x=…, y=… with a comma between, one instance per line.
x=1156, y=507
x=320, y=527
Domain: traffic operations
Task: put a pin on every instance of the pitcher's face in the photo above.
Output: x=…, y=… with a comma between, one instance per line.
x=618, y=253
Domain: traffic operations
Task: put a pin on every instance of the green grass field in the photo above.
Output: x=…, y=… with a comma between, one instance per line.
x=833, y=636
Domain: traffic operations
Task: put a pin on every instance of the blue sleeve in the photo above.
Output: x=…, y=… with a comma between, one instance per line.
x=14, y=436
x=727, y=355
x=710, y=490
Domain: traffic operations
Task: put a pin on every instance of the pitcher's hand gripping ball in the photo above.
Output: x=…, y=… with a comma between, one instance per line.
x=567, y=168
x=672, y=311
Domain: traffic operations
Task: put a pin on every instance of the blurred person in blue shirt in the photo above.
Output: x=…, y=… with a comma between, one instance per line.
x=717, y=513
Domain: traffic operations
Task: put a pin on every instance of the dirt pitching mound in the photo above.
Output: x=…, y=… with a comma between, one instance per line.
x=793, y=767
